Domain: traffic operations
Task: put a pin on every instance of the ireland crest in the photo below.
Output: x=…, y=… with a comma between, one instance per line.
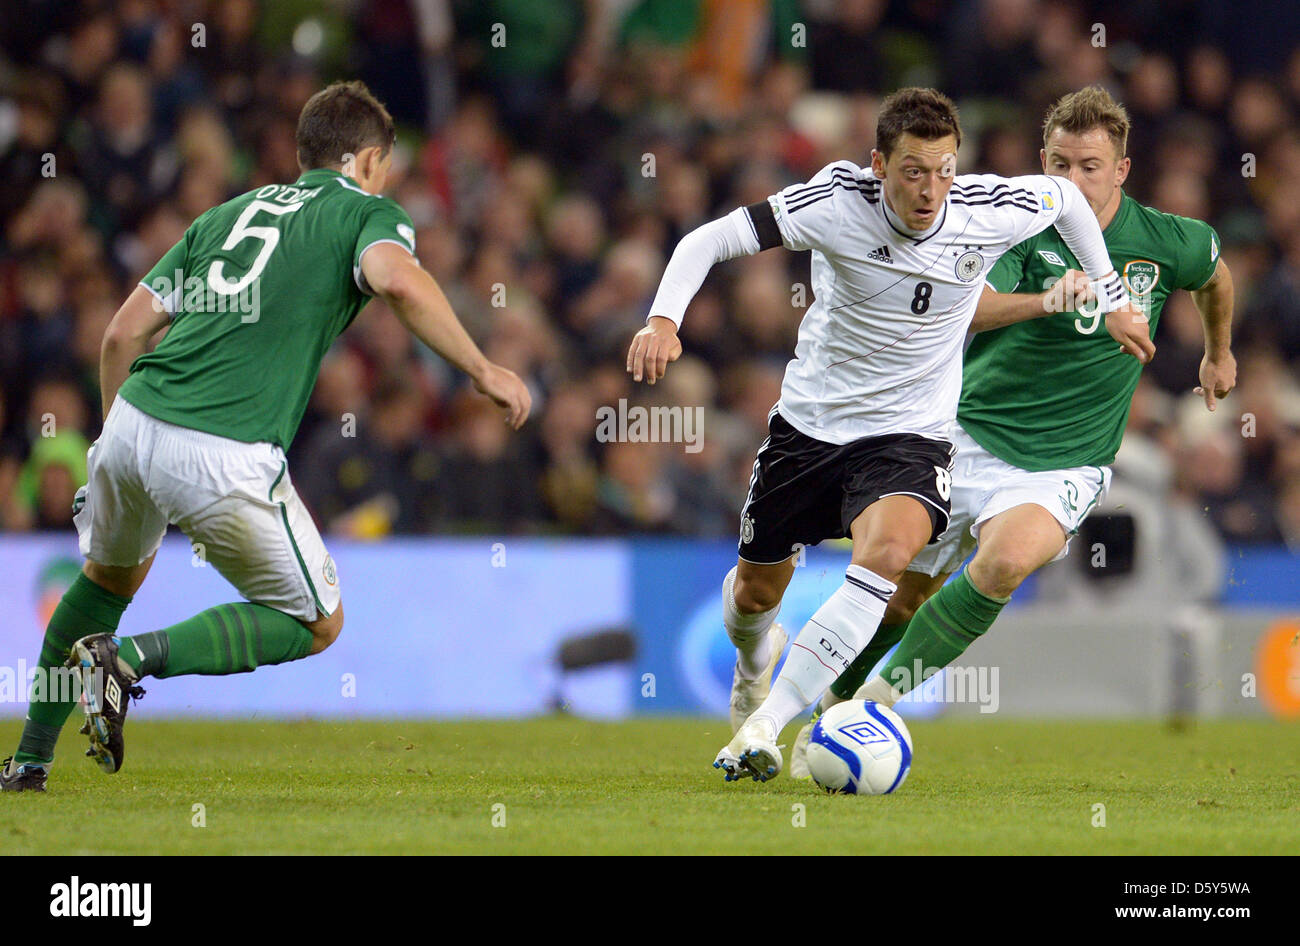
x=1141, y=276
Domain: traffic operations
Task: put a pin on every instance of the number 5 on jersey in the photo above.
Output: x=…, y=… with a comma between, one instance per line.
x=241, y=231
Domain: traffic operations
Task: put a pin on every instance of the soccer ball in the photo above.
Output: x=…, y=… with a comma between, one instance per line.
x=859, y=748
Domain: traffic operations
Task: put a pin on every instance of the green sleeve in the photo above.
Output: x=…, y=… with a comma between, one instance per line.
x=167, y=278
x=1196, y=251
x=382, y=221
x=1008, y=272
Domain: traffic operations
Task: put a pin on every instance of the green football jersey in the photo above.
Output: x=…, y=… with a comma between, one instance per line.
x=1054, y=392
x=258, y=288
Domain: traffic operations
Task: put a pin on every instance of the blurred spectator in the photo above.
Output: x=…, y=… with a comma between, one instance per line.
x=633, y=495
x=569, y=481
x=991, y=46
x=35, y=151
x=119, y=154
x=373, y=474
x=486, y=481
x=614, y=307
x=1274, y=318
x=846, y=53
x=56, y=464
x=1211, y=467
x=575, y=231
x=519, y=50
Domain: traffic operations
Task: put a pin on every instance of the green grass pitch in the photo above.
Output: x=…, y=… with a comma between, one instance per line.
x=569, y=786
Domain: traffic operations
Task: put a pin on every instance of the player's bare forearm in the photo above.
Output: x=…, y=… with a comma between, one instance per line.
x=114, y=366
x=427, y=313
x=420, y=305
x=1218, y=374
x=1214, y=302
x=999, y=309
x=126, y=339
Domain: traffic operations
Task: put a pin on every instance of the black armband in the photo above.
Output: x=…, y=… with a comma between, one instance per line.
x=764, y=221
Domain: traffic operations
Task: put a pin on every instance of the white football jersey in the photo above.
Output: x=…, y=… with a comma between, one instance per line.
x=880, y=348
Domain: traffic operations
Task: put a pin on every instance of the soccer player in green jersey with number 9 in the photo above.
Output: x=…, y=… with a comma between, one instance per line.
x=1043, y=405
x=196, y=430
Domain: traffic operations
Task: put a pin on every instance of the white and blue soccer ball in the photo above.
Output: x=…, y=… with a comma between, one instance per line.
x=859, y=748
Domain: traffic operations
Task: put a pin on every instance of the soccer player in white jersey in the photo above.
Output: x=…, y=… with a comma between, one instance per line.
x=858, y=443
x=1031, y=462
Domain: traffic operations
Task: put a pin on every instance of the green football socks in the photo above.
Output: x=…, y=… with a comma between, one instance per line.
x=85, y=609
x=230, y=638
x=940, y=631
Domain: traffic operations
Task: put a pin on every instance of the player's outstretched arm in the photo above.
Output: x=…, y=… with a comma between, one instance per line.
x=126, y=339
x=419, y=303
x=657, y=344
x=998, y=309
x=1125, y=321
x=1218, y=374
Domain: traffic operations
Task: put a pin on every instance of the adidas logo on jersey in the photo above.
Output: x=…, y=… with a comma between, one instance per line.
x=881, y=254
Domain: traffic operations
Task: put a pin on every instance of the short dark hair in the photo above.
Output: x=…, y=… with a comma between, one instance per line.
x=339, y=120
x=1080, y=112
x=925, y=113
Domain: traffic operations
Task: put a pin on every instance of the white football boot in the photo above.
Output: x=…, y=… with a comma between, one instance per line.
x=748, y=695
x=752, y=751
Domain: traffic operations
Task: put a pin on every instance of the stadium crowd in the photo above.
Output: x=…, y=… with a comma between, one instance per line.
x=551, y=155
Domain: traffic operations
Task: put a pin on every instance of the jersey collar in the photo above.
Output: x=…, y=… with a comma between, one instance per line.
x=1120, y=213
x=317, y=174
x=896, y=222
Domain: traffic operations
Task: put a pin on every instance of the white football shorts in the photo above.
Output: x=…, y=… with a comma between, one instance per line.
x=984, y=486
x=234, y=500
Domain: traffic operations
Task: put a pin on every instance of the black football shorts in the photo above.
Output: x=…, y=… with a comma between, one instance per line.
x=805, y=490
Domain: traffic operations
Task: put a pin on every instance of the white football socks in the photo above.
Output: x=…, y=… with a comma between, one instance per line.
x=747, y=631
x=827, y=645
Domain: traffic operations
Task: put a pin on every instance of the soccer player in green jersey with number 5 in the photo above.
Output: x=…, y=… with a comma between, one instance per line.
x=196, y=430
x=1045, y=398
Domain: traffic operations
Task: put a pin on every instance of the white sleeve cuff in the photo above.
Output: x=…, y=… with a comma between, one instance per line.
x=165, y=303
x=358, y=277
x=1078, y=227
